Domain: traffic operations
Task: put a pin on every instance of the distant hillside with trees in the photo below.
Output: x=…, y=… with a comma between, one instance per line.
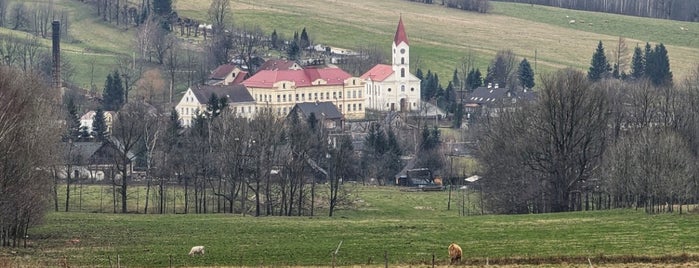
x=683, y=10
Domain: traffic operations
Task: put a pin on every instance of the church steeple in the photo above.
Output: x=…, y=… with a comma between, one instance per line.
x=400, y=33
x=401, y=52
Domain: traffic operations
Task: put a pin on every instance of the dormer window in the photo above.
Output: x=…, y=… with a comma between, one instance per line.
x=284, y=85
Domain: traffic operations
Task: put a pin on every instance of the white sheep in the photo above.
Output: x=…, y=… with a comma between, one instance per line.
x=196, y=250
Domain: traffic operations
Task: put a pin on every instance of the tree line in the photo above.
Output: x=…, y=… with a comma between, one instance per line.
x=682, y=10
x=594, y=145
x=481, y=6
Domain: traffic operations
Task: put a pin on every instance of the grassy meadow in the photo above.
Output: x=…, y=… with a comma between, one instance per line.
x=441, y=37
x=406, y=227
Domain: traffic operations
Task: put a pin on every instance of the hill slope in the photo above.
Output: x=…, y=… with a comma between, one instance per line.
x=440, y=37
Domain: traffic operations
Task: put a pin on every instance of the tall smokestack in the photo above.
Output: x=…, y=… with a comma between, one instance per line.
x=56, y=39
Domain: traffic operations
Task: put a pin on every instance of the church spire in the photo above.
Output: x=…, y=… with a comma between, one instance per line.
x=400, y=33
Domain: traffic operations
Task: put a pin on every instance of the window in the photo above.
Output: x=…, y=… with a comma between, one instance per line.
x=284, y=85
x=402, y=60
x=360, y=106
x=334, y=95
x=284, y=98
x=412, y=89
x=402, y=88
x=279, y=98
x=359, y=94
x=354, y=82
x=303, y=96
x=340, y=96
x=402, y=72
x=354, y=94
x=389, y=89
x=297, y=97
x=340, y=107
x=315, y=96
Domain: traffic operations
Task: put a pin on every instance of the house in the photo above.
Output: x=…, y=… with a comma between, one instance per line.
x=88, y=118
x=491, y=99
x=393, y=87
x=95, y=161
x=326, y=112
x=195, y=100
x=281, y=89
x=227, y=74
x=280, y=64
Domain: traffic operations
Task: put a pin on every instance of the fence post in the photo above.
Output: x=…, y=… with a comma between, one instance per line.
x=433, y=260
x=170, y=260
x=385, y=258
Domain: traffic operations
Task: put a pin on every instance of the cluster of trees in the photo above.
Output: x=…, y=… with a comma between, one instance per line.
x=34, y=18
x=29, y=136
x=685, y=10
x=651, y=64
x=593, y=145
x=482, y=6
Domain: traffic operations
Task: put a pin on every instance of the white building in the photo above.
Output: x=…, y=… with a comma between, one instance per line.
x=393, y=87
x=195, y=100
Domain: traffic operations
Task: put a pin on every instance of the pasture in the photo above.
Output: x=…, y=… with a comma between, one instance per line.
x=383, y=224
x=440, y=37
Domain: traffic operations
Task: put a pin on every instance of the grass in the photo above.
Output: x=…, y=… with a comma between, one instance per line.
x=408, y=226
x=440, y=37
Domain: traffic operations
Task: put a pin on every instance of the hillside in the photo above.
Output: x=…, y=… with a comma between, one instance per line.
x=440, y=37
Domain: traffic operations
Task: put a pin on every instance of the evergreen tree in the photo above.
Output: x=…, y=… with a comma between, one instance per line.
x=293, y=52
x=216, y=106
x=419, y=75
x=474, y=79
x=489, y=76
x=455, y=79
x=659, y=71
x=274, y=39
x=376, y=140
x=99, y=126
x=458, y=116
x=648, y=57
x=312, y=122
x=392, y=143
x=72, y=121
x=599, y=66
x=638, y=63
x=304, y=41
x=113, y=95
x=526, y=74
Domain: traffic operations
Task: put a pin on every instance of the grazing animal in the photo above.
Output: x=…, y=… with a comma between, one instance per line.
x=196, y=250
x=454, y=253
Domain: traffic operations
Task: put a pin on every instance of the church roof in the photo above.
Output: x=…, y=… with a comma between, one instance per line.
x=301, y=78
x=379, y=73
x=400, y=34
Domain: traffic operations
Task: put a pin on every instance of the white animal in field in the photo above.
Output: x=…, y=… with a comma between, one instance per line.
x=571, y=22
x=196, y=250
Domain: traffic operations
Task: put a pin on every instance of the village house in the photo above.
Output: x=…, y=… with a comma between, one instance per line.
x=94, y=161
x=88, y=118
x=325, y=112
x=393, y=87
x=492, y=99
x=196, y=98
x=227, y=74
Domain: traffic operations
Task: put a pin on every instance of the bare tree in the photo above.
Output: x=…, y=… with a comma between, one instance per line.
x=19, y=15
x=218, y=14
x=246, y=44
x=502, y=69
x=28, y=132
x=3, y=12
x=128, y=132
x=368, y=56
x=622, y=56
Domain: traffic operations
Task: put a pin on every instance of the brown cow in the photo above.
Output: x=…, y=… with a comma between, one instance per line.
x=454, y=253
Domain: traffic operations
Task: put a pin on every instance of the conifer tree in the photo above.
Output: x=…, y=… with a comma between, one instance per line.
x=99, y=126
x=274, y=39
x=113, y=94
x=73, y=121
x=638, y=63
x=659, y=71
x=526, y=74
x=599, y=67
x=304, y=41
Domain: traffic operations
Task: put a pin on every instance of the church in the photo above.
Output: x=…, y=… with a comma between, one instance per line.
x=393, y=87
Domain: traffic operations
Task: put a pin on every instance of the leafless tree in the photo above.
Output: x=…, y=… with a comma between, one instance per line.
x=502, y=69
x=3, y=11
x=131, y=71
x=218, y=14
x=19, y=15
x=28, y=130
x=621, y=55
x=368, y=57
x=128, y=132
x=173, y=64
x=246, y=44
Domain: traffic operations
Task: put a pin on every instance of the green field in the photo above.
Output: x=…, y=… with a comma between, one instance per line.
x=407, y=226
x=439, y=37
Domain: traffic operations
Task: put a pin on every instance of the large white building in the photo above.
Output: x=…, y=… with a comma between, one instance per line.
x=393, y=87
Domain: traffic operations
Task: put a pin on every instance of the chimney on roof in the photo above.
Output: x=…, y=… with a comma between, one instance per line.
x=496, y=85
x=490, y=85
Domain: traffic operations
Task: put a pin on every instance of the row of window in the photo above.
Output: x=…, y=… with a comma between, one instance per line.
x=377, y=89
x=353, y=94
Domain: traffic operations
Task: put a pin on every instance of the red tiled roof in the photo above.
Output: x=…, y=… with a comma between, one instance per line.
x=242, y=75
x=379, y=73
x=222, y=71
x=302, y=78
x=400, y=34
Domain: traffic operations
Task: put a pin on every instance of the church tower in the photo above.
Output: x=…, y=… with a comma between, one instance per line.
x=401, y=53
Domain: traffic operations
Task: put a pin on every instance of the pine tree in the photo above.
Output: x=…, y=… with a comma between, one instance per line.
x=99, y=126
x=648, y=57
x=638, y=63
x=526, y=74
x=73, y=121
x=599, y=66
x=293, y=51
x=474, y=79
x=113, y=95
x=659, y=73
x=274, y=39
x=304, y=41
x=455, y=79
x=392, y=143
x=418, y=74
